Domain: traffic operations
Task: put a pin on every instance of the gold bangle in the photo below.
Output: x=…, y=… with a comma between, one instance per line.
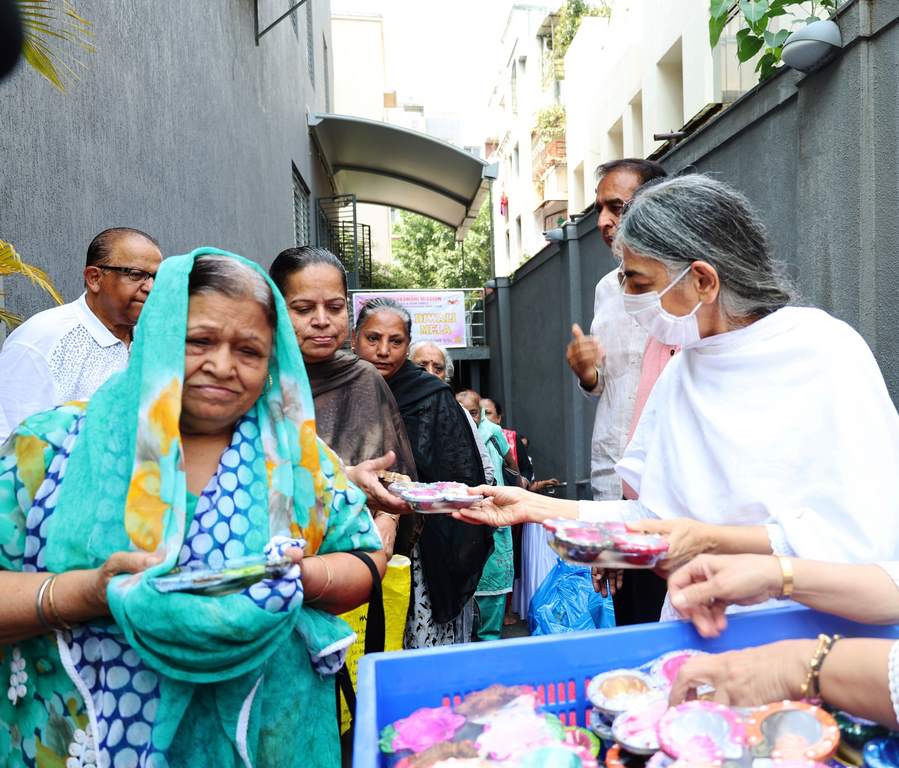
x=327, y=582
x=786, y=568
x=59, y=622
x=811, y=688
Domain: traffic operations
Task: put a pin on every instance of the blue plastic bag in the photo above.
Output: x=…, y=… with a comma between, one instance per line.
x=566, y=602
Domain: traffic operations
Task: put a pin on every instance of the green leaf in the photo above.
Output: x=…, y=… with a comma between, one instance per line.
x=748, y=45
x=719, y=8
x=776, y=39
x=754, y=10
x=767, y=65
x=716, y=27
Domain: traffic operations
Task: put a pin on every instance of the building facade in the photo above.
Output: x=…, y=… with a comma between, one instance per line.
x=644, y=69
x=181, y=125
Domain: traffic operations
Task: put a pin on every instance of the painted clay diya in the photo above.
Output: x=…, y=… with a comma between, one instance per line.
x=604, y=544
x=434, y=498
x=702, y=731
x=636, y=729
x=601, y=725
x=792, y=730
x=619, y=690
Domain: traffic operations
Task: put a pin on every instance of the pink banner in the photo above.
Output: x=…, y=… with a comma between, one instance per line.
x=437, y=316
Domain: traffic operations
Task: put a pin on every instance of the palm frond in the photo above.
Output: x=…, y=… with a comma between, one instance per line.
x=53, y=33
x=11, y=264
x=10, y=319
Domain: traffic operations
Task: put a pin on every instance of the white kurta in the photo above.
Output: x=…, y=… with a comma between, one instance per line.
x=788, y=422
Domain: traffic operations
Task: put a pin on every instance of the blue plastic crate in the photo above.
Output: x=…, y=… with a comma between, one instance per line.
x=393, y=685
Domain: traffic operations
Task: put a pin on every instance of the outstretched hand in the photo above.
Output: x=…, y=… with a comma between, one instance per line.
x=365, y=476
x=502, y=505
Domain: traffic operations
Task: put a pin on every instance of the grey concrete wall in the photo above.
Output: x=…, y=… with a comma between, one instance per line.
x=180, y=126
x=818, y=155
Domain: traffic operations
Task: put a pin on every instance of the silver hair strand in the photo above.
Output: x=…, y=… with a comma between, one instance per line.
x=697, y=218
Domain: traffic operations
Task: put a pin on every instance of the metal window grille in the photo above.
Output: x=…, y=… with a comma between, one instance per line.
x=310, y=42
x=338, y=230
x=300, y=210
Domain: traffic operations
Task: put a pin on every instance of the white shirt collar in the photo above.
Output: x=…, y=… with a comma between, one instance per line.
x=99, y=332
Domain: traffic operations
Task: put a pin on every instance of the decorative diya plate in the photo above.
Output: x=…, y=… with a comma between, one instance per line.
x=619, y=690
x=702, y=732
x=665, y=668
x=434, y=498
x=604, y=544
x=601, y=725
x=636, y=729
x=792, y=730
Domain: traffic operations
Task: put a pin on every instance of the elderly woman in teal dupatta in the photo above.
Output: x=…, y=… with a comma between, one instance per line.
x=202, y=451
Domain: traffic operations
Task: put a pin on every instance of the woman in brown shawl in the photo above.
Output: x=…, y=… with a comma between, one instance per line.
x=447, y=559
x=355, y=412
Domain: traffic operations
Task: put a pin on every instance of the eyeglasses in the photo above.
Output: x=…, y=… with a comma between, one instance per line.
x=133, y=274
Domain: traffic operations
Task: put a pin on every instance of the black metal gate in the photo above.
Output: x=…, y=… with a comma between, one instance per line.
x=338, y=230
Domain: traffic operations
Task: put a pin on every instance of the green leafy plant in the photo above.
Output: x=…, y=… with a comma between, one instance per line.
x=754, y=35
x=12, y=264
x=426, y=254
x=551, y=122
x=570, y=15
x=55, y=35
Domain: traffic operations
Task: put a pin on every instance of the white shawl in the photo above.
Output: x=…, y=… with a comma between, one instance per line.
x=786, y=421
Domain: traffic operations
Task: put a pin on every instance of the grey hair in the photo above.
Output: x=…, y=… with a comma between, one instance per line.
x=220, y=274
x=383, y=304
x=696, y=218
x=450, y=367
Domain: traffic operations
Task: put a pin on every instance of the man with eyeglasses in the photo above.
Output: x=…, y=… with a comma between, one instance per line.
x=608, y=364
x=67, y=352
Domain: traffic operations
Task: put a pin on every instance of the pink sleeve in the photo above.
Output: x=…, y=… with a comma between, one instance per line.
x=655, y=357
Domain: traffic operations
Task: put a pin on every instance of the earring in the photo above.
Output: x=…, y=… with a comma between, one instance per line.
x=269, y=384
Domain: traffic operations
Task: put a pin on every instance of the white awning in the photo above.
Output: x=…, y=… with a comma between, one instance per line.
x=387, y=165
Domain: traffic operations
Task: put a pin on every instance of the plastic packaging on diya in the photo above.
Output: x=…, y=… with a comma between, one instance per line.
x=607, y=545
x=434, y=498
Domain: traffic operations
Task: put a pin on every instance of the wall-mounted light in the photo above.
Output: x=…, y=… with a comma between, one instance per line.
x=556, y=235
x=806, y=48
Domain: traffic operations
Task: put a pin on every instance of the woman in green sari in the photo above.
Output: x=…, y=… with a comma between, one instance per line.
x=202, y=451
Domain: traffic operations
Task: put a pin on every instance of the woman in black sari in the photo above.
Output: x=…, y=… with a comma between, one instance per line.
x=447, y=557
x=355, y=412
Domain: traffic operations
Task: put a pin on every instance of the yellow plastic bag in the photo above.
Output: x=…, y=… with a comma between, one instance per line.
x=397, y=589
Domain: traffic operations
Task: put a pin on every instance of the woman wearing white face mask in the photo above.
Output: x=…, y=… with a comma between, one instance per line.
x=772, y=431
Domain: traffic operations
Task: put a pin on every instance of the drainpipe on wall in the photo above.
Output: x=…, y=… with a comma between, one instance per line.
x=505, y=345
x=575, y=412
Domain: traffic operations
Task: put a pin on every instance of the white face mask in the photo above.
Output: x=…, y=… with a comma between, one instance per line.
x=676, y=330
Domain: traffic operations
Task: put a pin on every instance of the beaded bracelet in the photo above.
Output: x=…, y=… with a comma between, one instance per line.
x=811, y=689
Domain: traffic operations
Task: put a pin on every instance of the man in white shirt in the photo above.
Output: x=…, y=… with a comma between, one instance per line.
x=608, y=362
x=67, y=352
